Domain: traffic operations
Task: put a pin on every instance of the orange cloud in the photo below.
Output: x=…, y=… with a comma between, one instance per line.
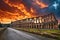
x=19, y=11
x=41, y=4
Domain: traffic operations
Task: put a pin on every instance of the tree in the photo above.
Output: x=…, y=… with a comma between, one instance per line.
x=59, y=26
x=0, y=25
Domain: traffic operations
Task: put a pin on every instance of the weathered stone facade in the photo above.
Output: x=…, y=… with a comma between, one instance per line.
x=42, y=22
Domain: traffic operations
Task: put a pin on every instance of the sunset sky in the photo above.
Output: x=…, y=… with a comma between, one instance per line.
x=12, y=10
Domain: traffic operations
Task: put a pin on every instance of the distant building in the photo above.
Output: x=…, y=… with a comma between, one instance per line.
x=41, y=22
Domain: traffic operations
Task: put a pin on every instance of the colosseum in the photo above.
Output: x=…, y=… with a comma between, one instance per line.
x=48, y=21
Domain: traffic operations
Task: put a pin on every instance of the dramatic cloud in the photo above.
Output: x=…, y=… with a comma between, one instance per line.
x=12, y=10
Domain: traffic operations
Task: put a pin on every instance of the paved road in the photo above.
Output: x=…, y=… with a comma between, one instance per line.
x=12, y=34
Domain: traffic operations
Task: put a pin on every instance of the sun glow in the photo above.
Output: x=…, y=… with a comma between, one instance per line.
x=55, y=5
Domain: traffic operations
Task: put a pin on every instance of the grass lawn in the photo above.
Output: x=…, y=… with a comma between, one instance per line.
x=43, y=32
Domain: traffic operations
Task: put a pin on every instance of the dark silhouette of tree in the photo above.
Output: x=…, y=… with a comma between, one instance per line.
x=8, y=25
x=59, y=26
x=0, y=25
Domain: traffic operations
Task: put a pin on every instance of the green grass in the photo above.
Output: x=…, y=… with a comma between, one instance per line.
x=44, y=32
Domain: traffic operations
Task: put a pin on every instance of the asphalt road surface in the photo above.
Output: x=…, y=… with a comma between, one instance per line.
x=13, y=34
